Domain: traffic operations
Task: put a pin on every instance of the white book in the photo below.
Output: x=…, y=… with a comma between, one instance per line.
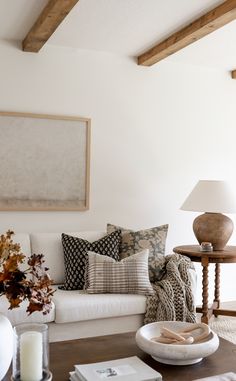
x=126, y=369
x=74, y=377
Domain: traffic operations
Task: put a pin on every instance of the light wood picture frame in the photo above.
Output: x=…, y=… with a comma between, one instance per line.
x=44, y=162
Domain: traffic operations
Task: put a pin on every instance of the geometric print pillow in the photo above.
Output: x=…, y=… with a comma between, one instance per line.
x=76, y=254
x=153, y=239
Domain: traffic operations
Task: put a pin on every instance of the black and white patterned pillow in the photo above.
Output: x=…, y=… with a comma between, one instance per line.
x=76, y=254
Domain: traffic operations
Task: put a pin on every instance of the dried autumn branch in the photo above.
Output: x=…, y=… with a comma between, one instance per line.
x=32, y=284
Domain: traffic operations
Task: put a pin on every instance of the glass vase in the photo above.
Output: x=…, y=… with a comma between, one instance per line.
x=31, y=353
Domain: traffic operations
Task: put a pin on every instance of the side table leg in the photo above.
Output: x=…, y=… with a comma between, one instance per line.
x=205, y=314
x=217, y=286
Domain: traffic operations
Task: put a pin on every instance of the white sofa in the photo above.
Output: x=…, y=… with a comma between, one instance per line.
x=76, y=314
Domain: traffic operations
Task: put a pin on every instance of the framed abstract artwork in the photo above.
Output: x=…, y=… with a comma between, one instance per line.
x=44, y=162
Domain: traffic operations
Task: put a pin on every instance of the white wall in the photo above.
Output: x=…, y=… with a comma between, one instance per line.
x=155, y=132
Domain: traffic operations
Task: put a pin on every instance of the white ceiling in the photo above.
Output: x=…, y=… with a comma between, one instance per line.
x=126, y=27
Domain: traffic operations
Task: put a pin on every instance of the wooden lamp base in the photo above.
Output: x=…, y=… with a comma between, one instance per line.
x=213, y=227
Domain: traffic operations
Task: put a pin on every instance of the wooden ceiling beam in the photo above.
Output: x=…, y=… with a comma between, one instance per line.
x=233, y=74
x=48, y=21
x=214, y=19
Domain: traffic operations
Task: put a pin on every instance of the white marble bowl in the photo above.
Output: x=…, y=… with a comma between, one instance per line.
x=175, y=354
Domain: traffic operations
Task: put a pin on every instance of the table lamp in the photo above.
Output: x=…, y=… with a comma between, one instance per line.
x=214, y=198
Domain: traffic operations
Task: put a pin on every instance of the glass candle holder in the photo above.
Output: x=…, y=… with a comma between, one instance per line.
x=31, y=353
x=206, y=246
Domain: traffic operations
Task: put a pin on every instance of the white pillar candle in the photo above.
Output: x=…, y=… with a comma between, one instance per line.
x=31, y=356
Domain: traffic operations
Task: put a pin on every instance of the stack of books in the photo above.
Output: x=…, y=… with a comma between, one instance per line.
x=126, y=369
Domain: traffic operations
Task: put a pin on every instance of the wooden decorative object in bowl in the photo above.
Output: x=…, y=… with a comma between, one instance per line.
x=177, y=353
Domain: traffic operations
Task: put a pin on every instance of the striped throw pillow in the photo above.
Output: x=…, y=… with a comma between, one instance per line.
x=129, y=276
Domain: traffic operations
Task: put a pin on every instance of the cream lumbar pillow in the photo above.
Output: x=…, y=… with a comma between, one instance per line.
x=128, y=276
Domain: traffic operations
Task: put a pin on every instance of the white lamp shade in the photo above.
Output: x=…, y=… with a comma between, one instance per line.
x=211, y=196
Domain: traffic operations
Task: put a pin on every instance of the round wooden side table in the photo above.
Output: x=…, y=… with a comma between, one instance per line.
x=228, y=255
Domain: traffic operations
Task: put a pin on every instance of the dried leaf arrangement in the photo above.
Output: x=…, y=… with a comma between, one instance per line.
x=32, y=284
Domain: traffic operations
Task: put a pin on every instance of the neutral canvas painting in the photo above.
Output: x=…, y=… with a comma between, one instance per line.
x=44, y=163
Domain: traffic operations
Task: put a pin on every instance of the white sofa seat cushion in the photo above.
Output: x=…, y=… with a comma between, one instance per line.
x=19, y=315
x=77, y=305
x=50, y=245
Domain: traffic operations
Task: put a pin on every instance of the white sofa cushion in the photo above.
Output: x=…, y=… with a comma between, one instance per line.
x=24, y=240
x=50, y=245
x=77, y=305
x=19, y=315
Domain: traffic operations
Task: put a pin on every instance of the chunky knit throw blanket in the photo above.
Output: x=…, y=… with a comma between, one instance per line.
x=173, y=298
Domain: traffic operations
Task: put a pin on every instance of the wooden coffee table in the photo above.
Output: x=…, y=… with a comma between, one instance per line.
x=65, y=354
